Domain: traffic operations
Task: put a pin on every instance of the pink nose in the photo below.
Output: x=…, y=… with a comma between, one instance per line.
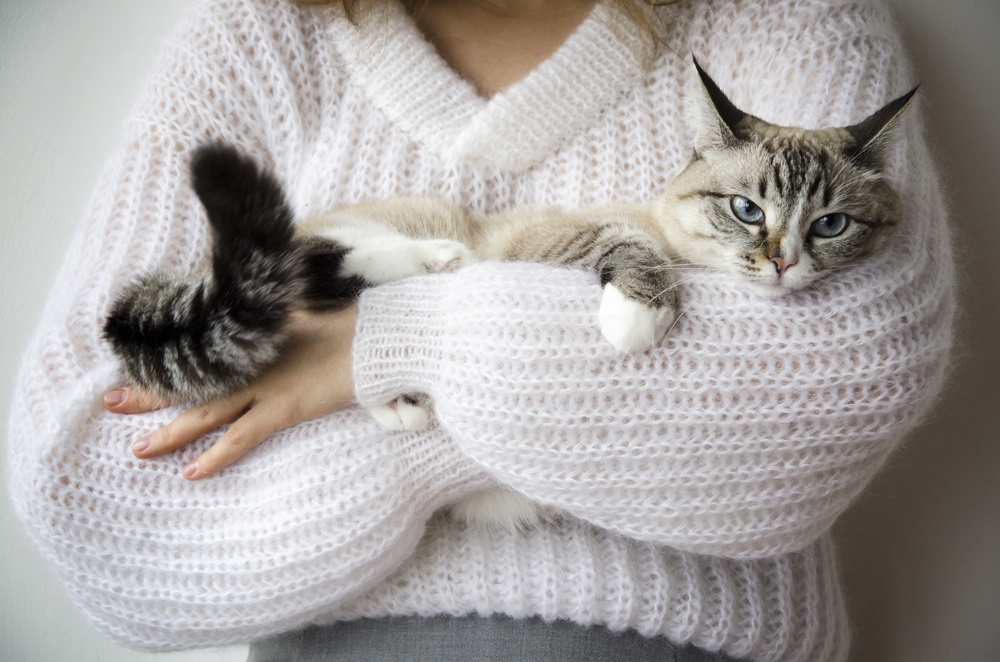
x=783, y=264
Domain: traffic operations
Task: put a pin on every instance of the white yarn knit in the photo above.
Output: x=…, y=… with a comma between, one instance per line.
x=699, y=479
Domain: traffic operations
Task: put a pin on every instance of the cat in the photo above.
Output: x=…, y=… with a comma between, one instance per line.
x=775, y=207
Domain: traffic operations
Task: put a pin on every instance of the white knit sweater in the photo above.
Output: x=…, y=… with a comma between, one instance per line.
x=699, y=480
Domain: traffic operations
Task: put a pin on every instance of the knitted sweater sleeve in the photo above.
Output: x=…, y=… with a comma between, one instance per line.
x=313, y=516
x=757, y=421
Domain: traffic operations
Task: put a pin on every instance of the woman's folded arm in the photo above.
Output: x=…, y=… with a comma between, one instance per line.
x=314, y=516
x=745, y=433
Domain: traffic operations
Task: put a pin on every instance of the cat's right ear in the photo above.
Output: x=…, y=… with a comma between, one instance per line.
x=715, y=120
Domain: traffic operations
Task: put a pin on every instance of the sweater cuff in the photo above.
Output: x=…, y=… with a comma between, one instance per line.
x=399, y=338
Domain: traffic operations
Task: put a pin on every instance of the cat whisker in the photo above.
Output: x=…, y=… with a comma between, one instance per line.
x=666, y=263
x=677, y=319
x=667, y=289
x=675, y=265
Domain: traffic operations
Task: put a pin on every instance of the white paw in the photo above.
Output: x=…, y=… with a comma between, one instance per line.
x=401, y=415
x=391, y=259
x=629, y=325
x=444, y=255
x=499, y=508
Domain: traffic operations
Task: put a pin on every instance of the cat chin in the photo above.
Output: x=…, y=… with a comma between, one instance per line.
x=771, y=291
x=777, y=289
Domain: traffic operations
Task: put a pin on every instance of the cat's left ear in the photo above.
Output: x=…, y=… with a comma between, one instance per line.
x=872, y=136
x=716, y=121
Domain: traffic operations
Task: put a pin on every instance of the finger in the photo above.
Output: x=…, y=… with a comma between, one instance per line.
x=190, y=425
x=133, y=401
x=250, y=429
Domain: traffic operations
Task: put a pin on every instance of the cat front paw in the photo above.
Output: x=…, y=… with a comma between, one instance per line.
x=403, y=413
x=629, y=325
x=440, y=255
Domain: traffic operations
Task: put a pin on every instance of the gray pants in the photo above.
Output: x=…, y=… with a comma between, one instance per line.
x=470, y=639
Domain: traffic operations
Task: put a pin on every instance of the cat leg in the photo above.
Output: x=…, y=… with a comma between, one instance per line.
x=499, y=508
x=343, y=261
x=337, y=273
x=403, y=257
x=379, y=255
x=640, y=295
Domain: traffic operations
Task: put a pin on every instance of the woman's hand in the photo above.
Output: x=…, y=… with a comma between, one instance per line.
x=312, y=378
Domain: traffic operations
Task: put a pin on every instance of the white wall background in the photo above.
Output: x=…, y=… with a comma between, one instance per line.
x=920, y=552
x=69, y=73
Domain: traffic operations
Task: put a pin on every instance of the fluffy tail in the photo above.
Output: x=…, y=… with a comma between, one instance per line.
x=201, y=338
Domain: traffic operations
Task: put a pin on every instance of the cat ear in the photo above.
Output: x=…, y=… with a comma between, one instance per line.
x=714, y=118
x=872, y=136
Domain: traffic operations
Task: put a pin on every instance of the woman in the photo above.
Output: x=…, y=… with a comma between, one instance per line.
x=697, y=482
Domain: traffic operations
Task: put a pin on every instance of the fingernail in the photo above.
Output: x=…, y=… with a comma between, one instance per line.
x=142, y=443
x=115, y=397
x=191, y=469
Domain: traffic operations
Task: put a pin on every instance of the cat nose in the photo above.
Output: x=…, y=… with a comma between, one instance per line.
x=782, y=263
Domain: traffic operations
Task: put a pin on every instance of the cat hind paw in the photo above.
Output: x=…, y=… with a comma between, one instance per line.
x=403, y=413
x=443, y=255
x=629, y=325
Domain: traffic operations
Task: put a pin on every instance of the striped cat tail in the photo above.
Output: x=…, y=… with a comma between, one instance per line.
x=200, y=338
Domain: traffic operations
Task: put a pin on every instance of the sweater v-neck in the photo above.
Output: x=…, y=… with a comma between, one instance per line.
x=406, y=78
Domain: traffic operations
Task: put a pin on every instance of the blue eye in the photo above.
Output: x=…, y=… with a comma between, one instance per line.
x=831, y=225
x=746, y=211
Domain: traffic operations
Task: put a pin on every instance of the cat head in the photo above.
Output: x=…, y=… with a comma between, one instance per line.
x=779, y=207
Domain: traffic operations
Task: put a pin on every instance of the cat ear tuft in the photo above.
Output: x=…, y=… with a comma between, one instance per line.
x=872, y=136
x=713, y=117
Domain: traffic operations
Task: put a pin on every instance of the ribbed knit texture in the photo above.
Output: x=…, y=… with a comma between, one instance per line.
x=697, y=481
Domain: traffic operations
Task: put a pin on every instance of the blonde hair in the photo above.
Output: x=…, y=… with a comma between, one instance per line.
x=639, y=12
